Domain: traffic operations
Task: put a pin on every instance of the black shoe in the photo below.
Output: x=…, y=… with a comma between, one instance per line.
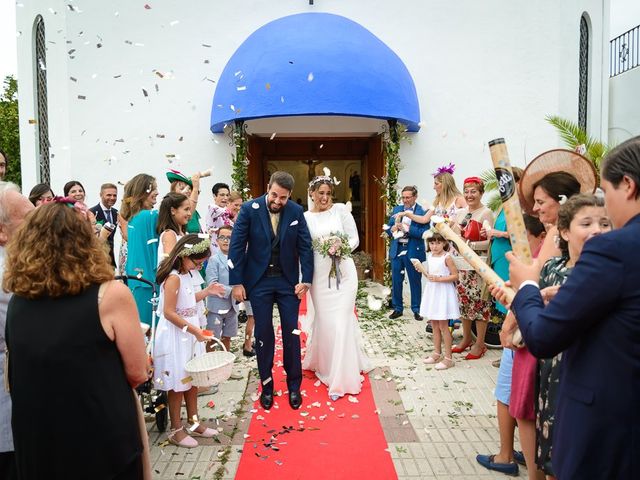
x=429, y=328
x=266, y=400
x=395, y=314
x=417, y=316
x=295, y=400
x=249, y=353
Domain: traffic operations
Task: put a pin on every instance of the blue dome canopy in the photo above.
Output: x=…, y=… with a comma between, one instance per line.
x=314, y=64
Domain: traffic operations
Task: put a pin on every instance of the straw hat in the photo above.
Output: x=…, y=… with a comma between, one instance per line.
x=558, y=160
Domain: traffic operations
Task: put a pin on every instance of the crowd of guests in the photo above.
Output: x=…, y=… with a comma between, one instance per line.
x=577, y=306
x=99, y=339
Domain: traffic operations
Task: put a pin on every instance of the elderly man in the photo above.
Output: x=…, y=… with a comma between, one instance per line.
x=13, y=209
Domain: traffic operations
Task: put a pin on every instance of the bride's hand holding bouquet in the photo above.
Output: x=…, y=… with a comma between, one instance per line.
x=336, y=247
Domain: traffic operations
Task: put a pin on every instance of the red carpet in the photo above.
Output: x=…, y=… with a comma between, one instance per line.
x=322, y=440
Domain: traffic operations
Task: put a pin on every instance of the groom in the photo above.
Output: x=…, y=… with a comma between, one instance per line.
x=270, y=246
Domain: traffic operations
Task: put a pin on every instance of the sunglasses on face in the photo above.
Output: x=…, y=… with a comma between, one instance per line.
x=224, y=238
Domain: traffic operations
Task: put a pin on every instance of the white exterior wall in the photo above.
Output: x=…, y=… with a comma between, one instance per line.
x=482, y=70
x=624, y=105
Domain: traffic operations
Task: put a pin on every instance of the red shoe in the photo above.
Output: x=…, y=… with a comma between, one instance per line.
x=471, y=356
x=459, y=349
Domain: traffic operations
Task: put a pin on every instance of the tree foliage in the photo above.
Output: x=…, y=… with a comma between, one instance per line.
x=9, y=128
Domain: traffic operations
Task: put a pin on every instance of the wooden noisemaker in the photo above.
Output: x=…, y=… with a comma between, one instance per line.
x=484, y=270
x=510, y=201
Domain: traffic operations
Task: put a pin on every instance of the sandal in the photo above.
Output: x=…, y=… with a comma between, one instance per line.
x=445, y=363
x=433, y=358
x=186, y=442
x=472, y=356
x=459, y=349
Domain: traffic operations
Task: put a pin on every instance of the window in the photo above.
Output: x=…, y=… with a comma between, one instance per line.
x=583, y=85
x=40, y=69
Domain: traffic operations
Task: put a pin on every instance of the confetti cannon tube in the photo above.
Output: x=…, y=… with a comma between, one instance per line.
x=472, y=257
x=206, y=173
x=510, y=202
x=512, y=210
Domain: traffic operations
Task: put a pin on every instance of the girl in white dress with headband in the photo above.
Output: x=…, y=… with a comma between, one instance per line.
x=440, y=298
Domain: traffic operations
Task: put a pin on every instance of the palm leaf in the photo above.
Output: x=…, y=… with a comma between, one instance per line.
x=495, y=202
x=573, y=135
x=489, y=179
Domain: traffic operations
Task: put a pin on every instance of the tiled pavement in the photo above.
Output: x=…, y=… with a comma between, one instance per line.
x=435, y=421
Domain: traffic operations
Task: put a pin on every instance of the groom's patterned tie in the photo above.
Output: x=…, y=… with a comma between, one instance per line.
x=275, y=219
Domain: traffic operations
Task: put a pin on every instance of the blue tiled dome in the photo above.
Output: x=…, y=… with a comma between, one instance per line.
x=314, y=64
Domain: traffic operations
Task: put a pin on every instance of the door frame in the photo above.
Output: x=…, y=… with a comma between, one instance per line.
x=373, y=215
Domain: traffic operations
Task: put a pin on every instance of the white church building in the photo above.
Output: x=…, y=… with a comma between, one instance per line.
x=112, y=89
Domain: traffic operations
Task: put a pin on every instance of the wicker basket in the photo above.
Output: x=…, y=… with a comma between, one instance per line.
x=211, y=368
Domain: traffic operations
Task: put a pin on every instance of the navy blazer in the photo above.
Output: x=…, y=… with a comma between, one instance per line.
x=250, y=249
x=415, y=247
x=595, y=320
x=99, y=213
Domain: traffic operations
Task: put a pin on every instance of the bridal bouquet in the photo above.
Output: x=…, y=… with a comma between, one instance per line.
x=336, y=247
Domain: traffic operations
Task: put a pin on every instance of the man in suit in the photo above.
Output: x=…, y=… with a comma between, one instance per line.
x=270, y=249
x=105, y=213
x=406, y=243
x=595, y=320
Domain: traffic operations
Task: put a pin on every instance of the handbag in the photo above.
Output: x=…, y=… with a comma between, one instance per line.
x=471, y=231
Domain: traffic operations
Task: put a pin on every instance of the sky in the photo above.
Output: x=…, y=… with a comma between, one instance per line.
x=625, y=14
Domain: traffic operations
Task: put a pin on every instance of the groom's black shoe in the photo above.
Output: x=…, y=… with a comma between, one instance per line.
x=295, y=400
x=417, y=316
x=395, y=314
x=266, y=400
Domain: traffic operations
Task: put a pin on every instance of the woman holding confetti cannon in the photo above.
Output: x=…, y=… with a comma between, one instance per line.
x=72, y=332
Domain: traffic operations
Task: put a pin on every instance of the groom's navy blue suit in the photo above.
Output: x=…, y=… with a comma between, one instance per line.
x=252, y=251
x=595, y=320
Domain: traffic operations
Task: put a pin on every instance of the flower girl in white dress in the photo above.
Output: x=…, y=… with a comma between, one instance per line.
x=440, y=298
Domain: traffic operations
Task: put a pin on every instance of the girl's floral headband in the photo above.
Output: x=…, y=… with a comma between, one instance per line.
x=445, y=169
x=194, y=249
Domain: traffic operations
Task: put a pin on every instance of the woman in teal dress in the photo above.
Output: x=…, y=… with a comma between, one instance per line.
x=140, y=195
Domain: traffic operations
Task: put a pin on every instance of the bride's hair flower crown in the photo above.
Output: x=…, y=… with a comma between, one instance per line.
x=326, y=178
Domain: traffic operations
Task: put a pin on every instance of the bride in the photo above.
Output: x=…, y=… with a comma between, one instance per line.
x=334, y=349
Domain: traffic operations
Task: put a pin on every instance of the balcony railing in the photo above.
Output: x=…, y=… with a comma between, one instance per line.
x=624, y=52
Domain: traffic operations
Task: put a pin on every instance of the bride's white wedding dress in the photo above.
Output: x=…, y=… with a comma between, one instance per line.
x=335, y=346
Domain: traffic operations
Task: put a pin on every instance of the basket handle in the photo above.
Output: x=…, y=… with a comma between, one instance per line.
x=193, y=345
x=219, y=343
